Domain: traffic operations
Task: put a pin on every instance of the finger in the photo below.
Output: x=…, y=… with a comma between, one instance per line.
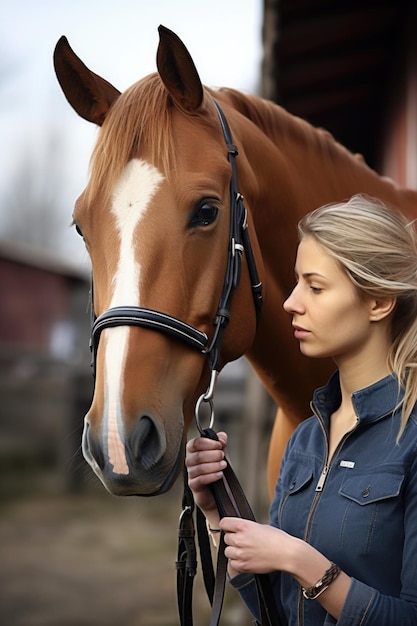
x=203, y=480
x=223, y=438
x=203, y=443
x=203, y=457
x=206, y=469
x=235, y=558
x=231, y=524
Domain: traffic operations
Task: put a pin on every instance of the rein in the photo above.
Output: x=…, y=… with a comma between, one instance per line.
x=231, y=501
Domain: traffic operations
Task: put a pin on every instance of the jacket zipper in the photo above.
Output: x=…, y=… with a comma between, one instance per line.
x=319, y=488
x=322, y=479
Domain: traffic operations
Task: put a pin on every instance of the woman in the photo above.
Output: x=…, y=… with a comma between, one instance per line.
x=341, y=546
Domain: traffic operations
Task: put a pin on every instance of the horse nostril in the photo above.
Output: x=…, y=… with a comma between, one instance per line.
x=146, y=443
x=92, y=448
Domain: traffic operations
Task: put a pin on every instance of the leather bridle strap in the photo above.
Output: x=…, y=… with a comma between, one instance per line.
x=186, y=563
x=239, y=242
x=147, y=318
x=239, y=224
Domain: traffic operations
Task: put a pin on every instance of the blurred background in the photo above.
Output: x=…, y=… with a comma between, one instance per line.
x=71, y=554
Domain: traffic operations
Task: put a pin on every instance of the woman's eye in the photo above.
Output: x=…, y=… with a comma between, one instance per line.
x=204, y=215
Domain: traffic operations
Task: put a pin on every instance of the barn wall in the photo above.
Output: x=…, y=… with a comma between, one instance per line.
x=399, y=133
x=45, y=379
x=32, y=301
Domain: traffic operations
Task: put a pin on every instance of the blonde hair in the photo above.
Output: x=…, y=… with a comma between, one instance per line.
x=377, y=248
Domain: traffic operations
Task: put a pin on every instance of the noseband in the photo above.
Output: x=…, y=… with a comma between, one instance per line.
x=239, y=242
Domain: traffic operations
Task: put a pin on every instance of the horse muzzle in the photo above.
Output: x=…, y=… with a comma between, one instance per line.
x=139, y=463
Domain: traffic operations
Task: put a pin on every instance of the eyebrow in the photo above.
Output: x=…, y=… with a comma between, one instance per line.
x=311, y=275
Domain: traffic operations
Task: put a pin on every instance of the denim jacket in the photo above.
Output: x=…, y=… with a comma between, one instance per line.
x=359, y=510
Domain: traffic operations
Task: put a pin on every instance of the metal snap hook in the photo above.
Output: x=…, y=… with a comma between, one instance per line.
x=208, y=398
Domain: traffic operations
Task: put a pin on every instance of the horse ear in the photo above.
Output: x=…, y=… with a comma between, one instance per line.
x=178, y=72
x=89, y=95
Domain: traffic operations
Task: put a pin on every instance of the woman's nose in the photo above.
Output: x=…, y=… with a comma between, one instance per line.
x=292, y=303
x=287, y=304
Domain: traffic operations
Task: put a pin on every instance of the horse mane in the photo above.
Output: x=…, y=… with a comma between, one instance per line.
x=140, y=115
x=282, y=127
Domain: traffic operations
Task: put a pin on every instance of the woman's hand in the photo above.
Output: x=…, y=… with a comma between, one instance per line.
x=256, y=548
x=205, y=462
x=259, y=549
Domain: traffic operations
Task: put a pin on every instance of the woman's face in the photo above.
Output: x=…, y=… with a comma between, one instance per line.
x=328, y=316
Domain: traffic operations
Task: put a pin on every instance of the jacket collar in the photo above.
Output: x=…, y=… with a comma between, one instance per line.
x=370, y=404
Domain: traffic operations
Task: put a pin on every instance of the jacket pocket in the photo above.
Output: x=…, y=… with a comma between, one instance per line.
x=372, y=507
x=294, y=483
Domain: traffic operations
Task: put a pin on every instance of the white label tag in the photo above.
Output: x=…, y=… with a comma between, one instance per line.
x=349, y=464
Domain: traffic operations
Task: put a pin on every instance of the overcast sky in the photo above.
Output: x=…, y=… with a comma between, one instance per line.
x=118, y=40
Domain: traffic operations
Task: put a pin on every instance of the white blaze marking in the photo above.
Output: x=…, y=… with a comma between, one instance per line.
x=131, y=197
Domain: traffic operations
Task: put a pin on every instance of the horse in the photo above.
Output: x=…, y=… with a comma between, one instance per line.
x=155, y=218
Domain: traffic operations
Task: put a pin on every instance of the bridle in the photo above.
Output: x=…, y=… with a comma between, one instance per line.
x=239, y=242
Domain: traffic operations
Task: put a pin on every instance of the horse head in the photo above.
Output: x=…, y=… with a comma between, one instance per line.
x=155, y=218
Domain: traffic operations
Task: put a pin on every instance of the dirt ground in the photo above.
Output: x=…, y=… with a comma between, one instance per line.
x=91, y=559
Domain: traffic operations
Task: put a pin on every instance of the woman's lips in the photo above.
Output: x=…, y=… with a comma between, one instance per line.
x=300, y=333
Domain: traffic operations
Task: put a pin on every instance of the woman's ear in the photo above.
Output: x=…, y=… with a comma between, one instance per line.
x=381, y=308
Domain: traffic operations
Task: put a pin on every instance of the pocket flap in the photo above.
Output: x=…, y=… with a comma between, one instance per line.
x=296, y=478
x=368, y=488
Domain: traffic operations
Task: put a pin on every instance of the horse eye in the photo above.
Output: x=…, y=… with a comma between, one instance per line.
x=79, y=231
x=204, y=215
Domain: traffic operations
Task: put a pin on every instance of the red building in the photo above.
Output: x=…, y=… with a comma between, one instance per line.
x=43, y=302
x=45, y=379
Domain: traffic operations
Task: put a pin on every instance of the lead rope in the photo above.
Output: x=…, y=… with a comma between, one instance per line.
x=232, y=502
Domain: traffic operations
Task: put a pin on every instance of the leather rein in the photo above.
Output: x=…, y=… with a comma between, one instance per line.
x=231, y=501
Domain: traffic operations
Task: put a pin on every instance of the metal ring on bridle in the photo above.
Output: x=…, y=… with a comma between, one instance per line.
x=203, y=398
x=208, y=398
